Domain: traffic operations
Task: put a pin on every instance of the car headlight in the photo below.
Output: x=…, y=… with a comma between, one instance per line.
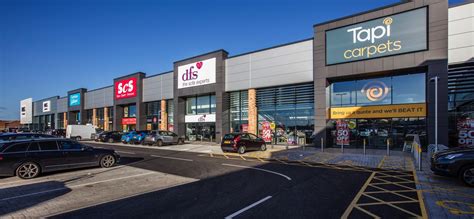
x=451, y=156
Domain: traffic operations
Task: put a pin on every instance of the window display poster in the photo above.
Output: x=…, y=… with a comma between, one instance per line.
x=266, y=132
x=342, y=135
x=465, y=132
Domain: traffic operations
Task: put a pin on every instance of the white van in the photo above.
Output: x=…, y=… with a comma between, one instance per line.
x=79, y=132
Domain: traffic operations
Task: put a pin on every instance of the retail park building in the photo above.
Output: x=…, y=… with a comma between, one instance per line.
x=361, y=79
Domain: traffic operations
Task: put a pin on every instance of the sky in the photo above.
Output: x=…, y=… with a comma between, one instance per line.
x=49, y=47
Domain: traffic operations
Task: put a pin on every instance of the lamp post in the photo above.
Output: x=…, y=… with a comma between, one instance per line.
x=436, y=79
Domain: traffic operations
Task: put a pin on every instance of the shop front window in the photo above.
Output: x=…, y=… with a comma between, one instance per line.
x=286, y=114
x=201, y=105
x=170, y=110
x=239, y=111
x=100, y=117
x=404, y=89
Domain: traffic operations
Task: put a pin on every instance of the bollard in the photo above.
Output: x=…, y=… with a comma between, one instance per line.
x=388, y=147
x=322, y=145
x=364, y=146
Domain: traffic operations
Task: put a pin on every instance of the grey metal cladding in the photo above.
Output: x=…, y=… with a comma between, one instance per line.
x=158, y=87
x=61, y=105
x=99, y=98
x=289, y=64
x=38, y=106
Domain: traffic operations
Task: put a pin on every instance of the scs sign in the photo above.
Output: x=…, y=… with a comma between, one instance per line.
x=126, y=88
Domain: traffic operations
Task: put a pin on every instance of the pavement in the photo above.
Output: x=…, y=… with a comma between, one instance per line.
x=199, y=180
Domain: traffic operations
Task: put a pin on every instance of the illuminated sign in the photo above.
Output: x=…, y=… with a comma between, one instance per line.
x=129, y=121
x=382, y=111
x=75, y=99
x=126, y=88
x=197, y=73
x=395, y=34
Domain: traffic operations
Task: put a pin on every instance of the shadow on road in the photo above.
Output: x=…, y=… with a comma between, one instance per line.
x=48, y=190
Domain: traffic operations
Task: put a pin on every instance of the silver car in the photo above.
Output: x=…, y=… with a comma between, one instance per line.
x=159, y=138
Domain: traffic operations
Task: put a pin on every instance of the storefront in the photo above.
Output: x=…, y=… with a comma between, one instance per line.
x=44, y=112
x=200, y=118
x=378, y=78
x=129, y=108
x=153, y=112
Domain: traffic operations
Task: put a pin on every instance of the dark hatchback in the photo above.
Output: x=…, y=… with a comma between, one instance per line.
x=110, y=136
x=456, y=162
x=29, y=158
x=242, y=142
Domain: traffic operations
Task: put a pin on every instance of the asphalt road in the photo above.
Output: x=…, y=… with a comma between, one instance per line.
x=225, y=187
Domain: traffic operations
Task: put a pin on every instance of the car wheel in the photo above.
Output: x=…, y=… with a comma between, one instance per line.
x=263, y=147
x=78, y=138
x=180, y=141
x=467, y=175
x=159, y=143
x=28, y=170
x=107, y=161
x=142, y=143
x=111, y=140
x=241, y=150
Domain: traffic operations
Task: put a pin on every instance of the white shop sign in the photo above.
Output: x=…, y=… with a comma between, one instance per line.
x=197, y=73
x=200, y=118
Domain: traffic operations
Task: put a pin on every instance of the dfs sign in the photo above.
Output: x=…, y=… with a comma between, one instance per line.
x=126, y=88
x=197, y=73
x=395, y=34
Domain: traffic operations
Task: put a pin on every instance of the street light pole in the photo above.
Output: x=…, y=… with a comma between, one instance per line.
x=435, y=79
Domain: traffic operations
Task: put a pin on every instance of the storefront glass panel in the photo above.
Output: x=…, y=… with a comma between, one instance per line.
x=239, y=111
x=201, y=131
x=288, y=112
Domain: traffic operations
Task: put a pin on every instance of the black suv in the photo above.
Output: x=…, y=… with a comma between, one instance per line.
x=29, y=158
x=457, y=162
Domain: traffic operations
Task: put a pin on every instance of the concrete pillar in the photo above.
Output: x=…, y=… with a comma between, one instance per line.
x=106, y=119
x=65, y=120
x=94, y=117
x=253, y=115
x=164, y=116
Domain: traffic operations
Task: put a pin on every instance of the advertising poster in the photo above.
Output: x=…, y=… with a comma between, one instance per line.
x=342, y=134
x=266, y=132
x=465, y=132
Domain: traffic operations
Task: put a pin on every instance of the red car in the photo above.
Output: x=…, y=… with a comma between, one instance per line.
x=242, y=142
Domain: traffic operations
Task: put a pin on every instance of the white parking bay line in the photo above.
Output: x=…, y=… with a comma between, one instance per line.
x=173, y=158
x=248, y=207
x=125, y=152
x=74, y=186
x=256, y=168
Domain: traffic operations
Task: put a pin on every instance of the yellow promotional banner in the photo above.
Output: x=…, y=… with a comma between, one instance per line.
x=385, y=111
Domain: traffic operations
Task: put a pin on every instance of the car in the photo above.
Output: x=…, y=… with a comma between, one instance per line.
x=159, y=138
x=456, y=162
x=242, y=142
x=138, y=137
x=127, y=136
x=95, y=136
x=28, y=159
x=59, y=133
x=22, y=136
x=110, y=136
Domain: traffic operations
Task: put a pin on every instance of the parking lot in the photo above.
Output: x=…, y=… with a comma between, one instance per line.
x=169, y=183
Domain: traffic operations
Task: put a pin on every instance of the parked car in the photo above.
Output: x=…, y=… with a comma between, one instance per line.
x=29, y=158
x=159, y=138
x=242, y=142
x=79, y=132
x=110, y=136
x=22, y=136
x=138, y=137
x=127, y=136
x=95, y=136
x=59, y=133
x=456, y=162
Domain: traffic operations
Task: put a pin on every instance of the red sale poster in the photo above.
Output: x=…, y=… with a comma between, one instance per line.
x=266, y=132
x=342, y=135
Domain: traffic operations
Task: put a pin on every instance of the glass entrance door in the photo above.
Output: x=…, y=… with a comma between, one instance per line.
x=201, y=131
